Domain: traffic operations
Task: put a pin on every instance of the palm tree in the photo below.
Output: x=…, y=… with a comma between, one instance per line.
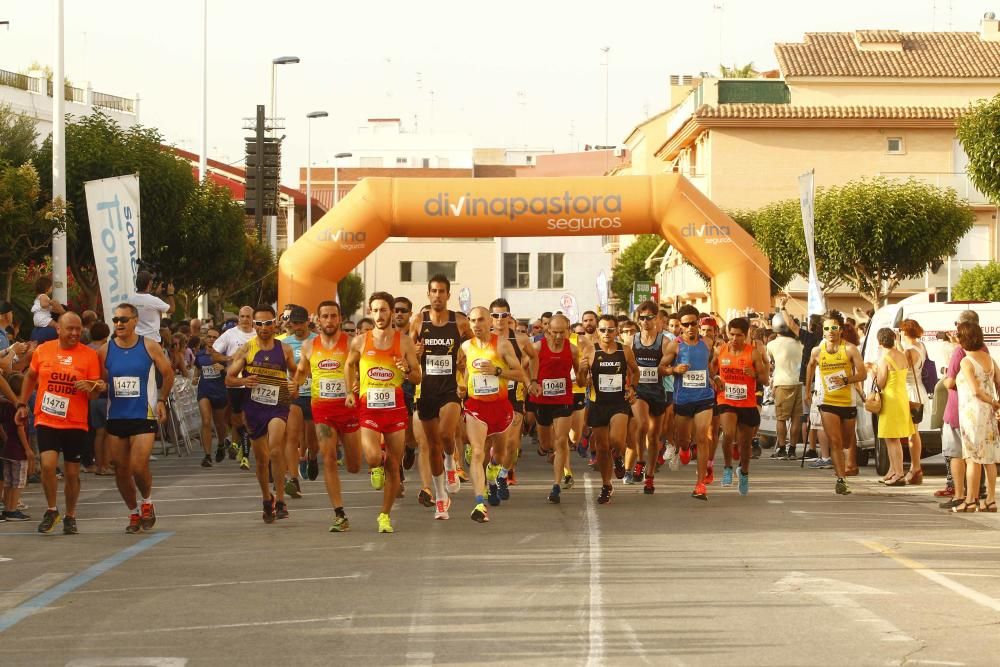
x=734, y=72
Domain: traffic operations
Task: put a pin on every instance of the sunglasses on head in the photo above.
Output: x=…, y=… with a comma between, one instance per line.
x=499, y=316
x=263, y=323
x=646, y=318
x=692, y=323
x=832, y=327
x=120, y=320
x=607, y=329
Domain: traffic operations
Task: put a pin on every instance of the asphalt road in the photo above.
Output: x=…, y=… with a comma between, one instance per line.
x=790, y=575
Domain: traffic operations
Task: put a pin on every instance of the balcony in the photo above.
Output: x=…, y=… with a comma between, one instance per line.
x=34, y=85
x=957, y=181
x=610, y=243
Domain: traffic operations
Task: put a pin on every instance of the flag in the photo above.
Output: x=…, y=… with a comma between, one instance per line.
x=807, y=199
x=113, y=209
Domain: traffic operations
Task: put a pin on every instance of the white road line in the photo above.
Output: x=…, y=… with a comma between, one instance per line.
x=257, y=511
x=595, y=629
x=356, y=575
x=972, y=574
x=30, y=588
x=952, y=544
x=127, y=662
x=527, y=538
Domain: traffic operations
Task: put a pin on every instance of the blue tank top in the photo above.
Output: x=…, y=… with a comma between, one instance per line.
x=668, y=380
x=213, y=379
x=131, y=381
x=292, y=341
x=695, y=385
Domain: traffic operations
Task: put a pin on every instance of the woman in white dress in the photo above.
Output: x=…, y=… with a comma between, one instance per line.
x=977, y=416
x=916, y=353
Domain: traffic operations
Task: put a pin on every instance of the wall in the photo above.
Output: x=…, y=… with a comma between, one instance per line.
x=883, y=92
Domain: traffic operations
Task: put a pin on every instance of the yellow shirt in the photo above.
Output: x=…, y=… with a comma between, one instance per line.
x=480, y=380
x=835, y=365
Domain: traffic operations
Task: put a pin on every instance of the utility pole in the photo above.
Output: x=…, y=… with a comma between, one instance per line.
x=59, y=265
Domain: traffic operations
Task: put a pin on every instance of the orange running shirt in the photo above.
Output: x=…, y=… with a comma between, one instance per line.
x=57, y=403
x=381, y=381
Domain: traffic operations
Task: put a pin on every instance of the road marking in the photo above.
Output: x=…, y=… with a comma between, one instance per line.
x=972, y=574
x=951, y=544
x=936, y=577
x=422, y=658
x=527, y=538
x=776, y=502
x=356, y=575
x=838, y=594
x=14, y=616
x=346, y=621
x=257, y=511
x=127, y=662
x=16, y=596
x=595, y=612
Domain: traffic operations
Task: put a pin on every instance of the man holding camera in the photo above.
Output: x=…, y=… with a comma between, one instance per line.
x=151, y=307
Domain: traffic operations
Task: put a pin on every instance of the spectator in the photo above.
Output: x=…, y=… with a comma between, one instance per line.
x=894, y=419
x=365, y=325
x=99, y=334
x=151, y=308
x=18, y=458
x=785, y=352
x=348, y=327
x=978, y=383
x=87, y=317
x=916, y=354
x=6, y=325
x=42, y=311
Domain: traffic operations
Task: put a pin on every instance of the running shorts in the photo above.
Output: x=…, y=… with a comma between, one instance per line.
x=744, y=416
x=386, y=420
x=497, y=415
x=71, y=442
x=842, y=412
x=305, y=404
x=126, y=428
x=545, y=414
x=691, y=409
x=336, y=415
x=600, y=414
x=429, y=406
x=259, y=416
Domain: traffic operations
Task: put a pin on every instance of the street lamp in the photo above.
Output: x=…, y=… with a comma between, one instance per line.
x=309, y=165
x=336, y=176
x=273, y=222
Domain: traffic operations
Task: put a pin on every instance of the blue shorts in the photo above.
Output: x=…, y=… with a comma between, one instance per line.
x=305, y=404
x=218, y=401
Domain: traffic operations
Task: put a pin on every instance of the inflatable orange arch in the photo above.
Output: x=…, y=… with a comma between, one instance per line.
x=670, y=205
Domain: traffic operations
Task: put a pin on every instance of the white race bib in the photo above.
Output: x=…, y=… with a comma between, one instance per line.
x=55, y=405
x=736, y=392
x=554, y=387
x=332, y=388
x=485, y=385
x=834, y=385
x=649, y=375
x=381, y=399
x=695, y=380
x=609, y=383
x=126, y=387
x=306, y=387
x=438, y=364
x=265, y=394
x=511, y=386
x=210, y=372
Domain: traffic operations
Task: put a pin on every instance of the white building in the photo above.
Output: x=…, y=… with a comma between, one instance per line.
x=31, y=94
x=385, y=143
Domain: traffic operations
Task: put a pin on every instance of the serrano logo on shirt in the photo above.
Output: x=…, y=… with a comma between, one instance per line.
x=482, y=364
x=328, y=365
x=380, y=374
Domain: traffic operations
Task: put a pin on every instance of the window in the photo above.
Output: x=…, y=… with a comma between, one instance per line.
x=515, y=270
x=528, y=159
x=419, y=272
x=550, y=270
x=426, y=162
x=370, y=162
x=894, y=146
x=401, y=160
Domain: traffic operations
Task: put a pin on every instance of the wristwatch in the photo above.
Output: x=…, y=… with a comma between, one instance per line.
x=498, y=372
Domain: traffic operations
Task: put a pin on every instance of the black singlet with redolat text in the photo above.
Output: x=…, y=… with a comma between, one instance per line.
x=440, y=356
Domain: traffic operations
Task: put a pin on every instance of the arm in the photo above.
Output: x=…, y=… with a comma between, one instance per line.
x=970, y=377
x=302, y=368
x=586, y=368
x=233, y=378
x=351, y=372
x=811, y=374
x=761, y=369
x=576, y=364
x=166, y=370
x=293, y=386
x=27, y=389
x=464, y=329
x=533, y=387
x=461, y=373
x=409, y=350
x=633, y=371
x=171, y=305
x=7, y=391
x=669, y=356
x=860, y=374
x=664, y=367
x=882, y=373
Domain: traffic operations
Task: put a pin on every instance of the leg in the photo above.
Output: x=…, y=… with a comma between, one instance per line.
x=221, y=425
x=513, y=441
x=371, y=446
x=351, y=443
x=50, y=459
x=958, y=473
x=120, y=454
x=729, y=427
x=101, y=450
x=432, y=430
x=449, y=414
x=701, y=423
x=71, y=487
x=394, y=443
x=205, y=408
x=331, y=477
x=600, y=437
x=476, y=430
x=262, y=461
x=560, y=436
x=833, y=426
x=916, y=450
x=991, y=482
x=140, y=448
x=744, y=436
x=972, y=474
x=895, y=449
x=276, y=444
x=423, y=451
x=293, y=437
x=782, y=434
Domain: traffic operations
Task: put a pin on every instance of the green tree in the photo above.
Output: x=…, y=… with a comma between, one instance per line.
x=17, y=136
x=350, y=294
x=211, y=214
x=980, y=283
x=979, y=132
x=631, y=266
x=257, y=282
x=734, y=72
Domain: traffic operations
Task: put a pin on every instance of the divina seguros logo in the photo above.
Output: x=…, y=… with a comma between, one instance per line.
x=347, y=240
x=572, y=212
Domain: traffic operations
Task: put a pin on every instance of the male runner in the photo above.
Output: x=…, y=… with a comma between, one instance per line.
x=402, y=311
x=577, y=421
x=614, y=375
x=223, y=351
x=262, y=367
x=550, y=390
x=487, y=362
x=131, y=363
x=742, y=370
x=672, y=332
x=840, y=366
x=67, y=375
x=382, y=358
x=694, y=398
x=324, y=359
x=212, y=399
x=439, y=332
x=300, y=431
x=649, y=348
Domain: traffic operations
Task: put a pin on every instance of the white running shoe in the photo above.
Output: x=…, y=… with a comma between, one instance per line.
x=441, y=509
x=451, y=482
x=673, y=461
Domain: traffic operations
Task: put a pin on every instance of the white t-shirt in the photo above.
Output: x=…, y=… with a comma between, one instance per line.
x=40, y=317
x=151, y=309
x=232, y=340
x=787, y=355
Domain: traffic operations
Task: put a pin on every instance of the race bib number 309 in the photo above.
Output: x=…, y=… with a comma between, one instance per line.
x=380, y=399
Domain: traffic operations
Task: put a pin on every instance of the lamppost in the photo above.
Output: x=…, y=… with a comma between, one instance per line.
x=336, y=175
x=309, y=165
x=59, y=263
x=282, y=60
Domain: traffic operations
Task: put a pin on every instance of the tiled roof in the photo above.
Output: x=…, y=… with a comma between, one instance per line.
x=788, y=111
x=922, y=54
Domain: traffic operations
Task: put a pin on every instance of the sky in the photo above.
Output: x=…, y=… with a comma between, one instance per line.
x=507, y=74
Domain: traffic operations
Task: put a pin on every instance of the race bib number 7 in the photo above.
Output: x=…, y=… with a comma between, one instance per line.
x=609, y=383
x=55, y=405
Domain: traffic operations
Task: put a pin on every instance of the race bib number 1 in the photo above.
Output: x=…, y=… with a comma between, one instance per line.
x=695, y=380
x=554, y=387
x=381, y=399
x=55, y=405
x=485, y=385
x=126, y=387
x=265, y=394
x=332, y=389
x=649, y=375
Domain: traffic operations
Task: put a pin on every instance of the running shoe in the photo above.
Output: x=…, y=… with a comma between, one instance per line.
x=699, y=492
x=468, y=454
x=492, y=472
x=312, y=469
x=592, y=461
x=269, y=511
x=810, y=454
x=778, y=453
x=340, y=524
x=648, y=487
x=502, y=488
x=606, y=492
x=409, y=456
x=451, y=482
x=302, y=468
x=727, y=476
x=3, y=517
x=147, y=516
x=462, y=477
x=281, y=509
x=134, y=524
x=627, y=478
x=220, y=450
x=234, y=449
x=619, y=467
x=554, y=495
x=755, y=450
x=207, y=461
x=685, y=455
x=567, y=482
x=493, y=497
x=744, y=483
x=377, y=476
x=790, y=453
x=69, y=526
x=583, y=447
x=441, y=508
x=821, y=464
x=511, y=478
x=669, y=452
x=384, y=524
x=18, y=515
x=710, y=474
x=292, y=487
x=637, y=473
x=479, y=514
x=425, y=498
x=244, y=463
x=841, y=487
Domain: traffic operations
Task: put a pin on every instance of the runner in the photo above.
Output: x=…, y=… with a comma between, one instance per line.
x=131, y=364
x=300, y=431
x=224, y=351
x=695, y=397
x=672, y=332
x=67, y=375
x=550, y=390
x=840, y=366
x=742, y=369
x=324, y=359
x=383, y=358
x=212, y=399
x=487, y=362
x=617, y=376
x=649, y=348
x=262, y=366
x=439, y=333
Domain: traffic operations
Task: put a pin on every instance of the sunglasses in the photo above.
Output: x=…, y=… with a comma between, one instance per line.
x=690, y=324
x=120, y=320
x=499, y=316
x=646, y=318
x=349, y=330
x=400, y=310
x=834, y=327
x=607, y=329
x=263, y=323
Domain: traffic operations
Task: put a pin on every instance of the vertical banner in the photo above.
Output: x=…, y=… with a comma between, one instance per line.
x=567, y=304
x=465, y=300
x=807, y=199
x=602, y=291
x=113, y=209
